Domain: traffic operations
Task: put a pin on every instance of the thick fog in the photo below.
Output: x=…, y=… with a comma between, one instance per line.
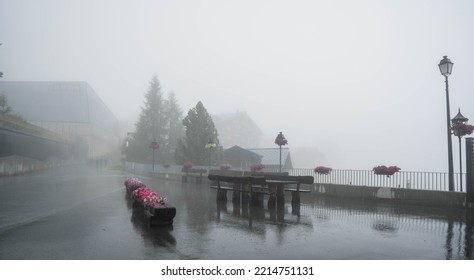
x=351, y=84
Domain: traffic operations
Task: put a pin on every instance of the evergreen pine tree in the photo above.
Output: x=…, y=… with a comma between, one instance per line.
x=151, y=126
x=174, y=116
x=5, y=109
x=199, y=130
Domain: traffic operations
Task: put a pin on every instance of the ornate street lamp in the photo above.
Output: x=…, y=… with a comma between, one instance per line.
x=280, y=141
x=446, y=67
x=459, y=129
x=154, y=146
x=210, y=145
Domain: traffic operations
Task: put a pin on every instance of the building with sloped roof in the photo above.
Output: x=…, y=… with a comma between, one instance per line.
x=271, y=158
x=240, y=158
x=70, y=109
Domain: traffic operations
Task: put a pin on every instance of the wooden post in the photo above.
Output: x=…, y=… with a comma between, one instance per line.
x=295, y=195
x=221, y=194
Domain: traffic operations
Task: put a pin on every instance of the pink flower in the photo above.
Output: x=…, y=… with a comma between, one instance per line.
x=132, y=184
x=384, y=170
x=257, y=167
x=188, y=164
x=141, y=193
x=225, y=166
x=148, y=197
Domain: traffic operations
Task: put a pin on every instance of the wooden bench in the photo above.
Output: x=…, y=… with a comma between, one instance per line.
x=299, y=180
x=270, y=184
x=192, y=172
x=252, y=185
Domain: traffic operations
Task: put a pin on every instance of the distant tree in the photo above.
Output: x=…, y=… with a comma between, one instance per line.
x=5, y=109
x=174, y=126
x=151, y=126
x=199, y=129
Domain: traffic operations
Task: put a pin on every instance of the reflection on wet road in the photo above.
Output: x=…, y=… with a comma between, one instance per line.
x=79, y=213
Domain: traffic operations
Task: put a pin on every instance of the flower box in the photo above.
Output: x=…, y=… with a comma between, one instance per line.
x=384, y=170
x=322, y=170
x=160, y=215
x=132, y=184
x=157, y=211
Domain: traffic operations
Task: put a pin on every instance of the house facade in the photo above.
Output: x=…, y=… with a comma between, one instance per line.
x=242, y=159
x=271, y=158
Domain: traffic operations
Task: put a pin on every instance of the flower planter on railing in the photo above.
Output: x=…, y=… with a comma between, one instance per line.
x=188, y=165
x=225, y=166
x=384, y=170
x=257, y=167
x=322, y=170
x=155, y=207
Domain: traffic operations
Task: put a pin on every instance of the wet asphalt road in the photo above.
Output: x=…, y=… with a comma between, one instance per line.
x=78, y=212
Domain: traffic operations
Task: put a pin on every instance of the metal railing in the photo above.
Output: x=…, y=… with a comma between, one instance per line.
x=435, y=181
x=144, y=168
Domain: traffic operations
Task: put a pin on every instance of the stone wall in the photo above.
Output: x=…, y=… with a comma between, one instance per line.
x=418, y=197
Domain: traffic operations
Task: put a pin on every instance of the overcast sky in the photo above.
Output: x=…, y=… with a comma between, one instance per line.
x=355, y=81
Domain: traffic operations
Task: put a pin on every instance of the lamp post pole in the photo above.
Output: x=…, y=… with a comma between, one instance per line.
x=209, y=146
x=450, y=144
x=460, y=164
x=154, y=146
x=209, y=162
x=129, y=135
x=445, y=67
x=279, y=170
